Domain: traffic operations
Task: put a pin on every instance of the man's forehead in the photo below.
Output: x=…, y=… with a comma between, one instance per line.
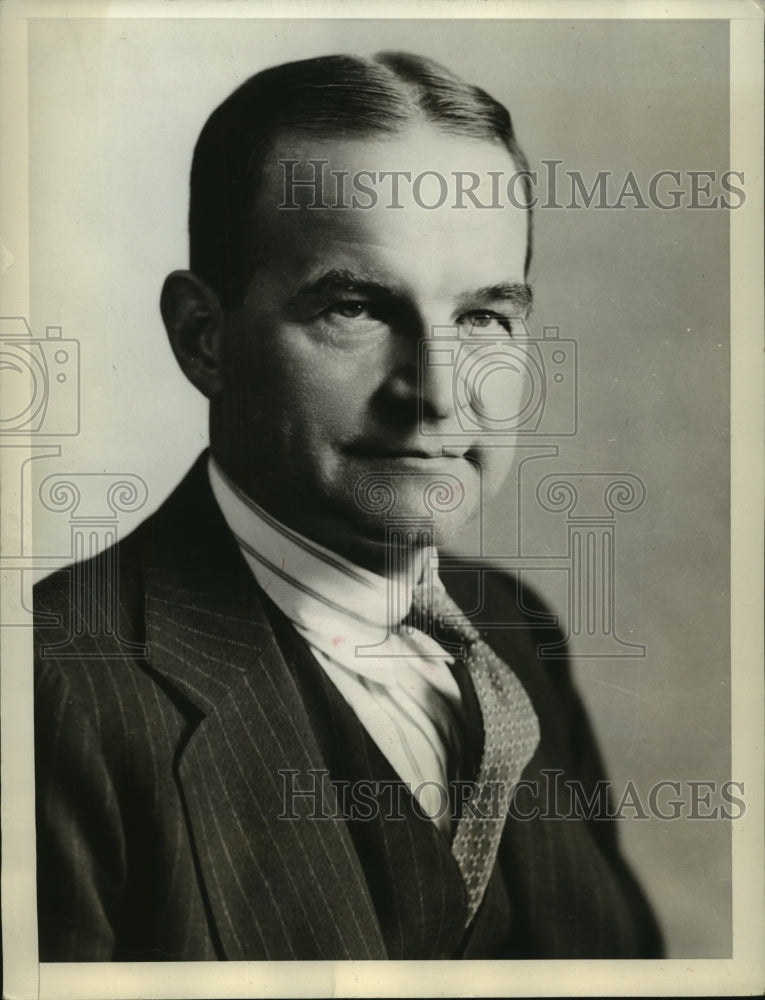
x=418, y=210
x=411, y=141
x=410, y=168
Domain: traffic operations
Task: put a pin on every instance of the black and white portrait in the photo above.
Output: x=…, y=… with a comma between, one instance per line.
x=379, y=506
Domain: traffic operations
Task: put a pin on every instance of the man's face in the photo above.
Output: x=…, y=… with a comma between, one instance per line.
x=326, y=404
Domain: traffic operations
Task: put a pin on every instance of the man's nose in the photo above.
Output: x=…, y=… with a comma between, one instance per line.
x=425, y=378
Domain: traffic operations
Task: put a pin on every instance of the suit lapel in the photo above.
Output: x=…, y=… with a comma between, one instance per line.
x=278, y=887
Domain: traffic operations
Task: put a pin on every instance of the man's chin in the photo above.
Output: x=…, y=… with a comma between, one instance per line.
x=420, y=494
x=375, y=513
x=372, y=540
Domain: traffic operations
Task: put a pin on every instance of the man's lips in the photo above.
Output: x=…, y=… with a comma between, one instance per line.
x=402, y=452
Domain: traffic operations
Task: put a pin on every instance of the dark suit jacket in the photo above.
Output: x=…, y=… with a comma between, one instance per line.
x=168, y=707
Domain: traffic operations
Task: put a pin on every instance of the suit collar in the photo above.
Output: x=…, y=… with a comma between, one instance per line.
x=205, y=623
x=277, y=888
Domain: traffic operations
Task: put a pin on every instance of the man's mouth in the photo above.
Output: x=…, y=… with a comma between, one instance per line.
x=402, y=452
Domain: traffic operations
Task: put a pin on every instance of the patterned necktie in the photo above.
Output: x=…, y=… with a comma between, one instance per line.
x=510, y=737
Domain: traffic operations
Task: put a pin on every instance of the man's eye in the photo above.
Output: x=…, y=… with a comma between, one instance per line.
x=351, y=310
x=487, y=320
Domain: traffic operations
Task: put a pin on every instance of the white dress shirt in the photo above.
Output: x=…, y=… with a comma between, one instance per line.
x=397, y=682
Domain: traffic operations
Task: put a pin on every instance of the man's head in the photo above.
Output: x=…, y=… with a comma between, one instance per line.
x=304, y=322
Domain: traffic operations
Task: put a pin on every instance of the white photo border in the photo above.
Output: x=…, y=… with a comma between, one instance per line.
x=745, y=971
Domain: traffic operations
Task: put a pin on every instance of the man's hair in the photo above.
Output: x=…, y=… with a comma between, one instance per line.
x=327, y=96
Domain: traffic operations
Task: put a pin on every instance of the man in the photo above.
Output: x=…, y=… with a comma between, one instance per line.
x=294, y=745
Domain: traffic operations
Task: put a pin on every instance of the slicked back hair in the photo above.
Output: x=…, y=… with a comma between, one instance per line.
x=326, y=96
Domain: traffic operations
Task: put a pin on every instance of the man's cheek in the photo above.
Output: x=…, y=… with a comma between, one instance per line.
x=495, y=464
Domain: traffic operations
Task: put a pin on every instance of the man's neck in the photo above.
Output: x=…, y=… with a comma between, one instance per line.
x=296, y=571
x=400, y=560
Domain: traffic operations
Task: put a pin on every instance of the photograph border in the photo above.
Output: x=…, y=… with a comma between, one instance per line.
x=744, y=973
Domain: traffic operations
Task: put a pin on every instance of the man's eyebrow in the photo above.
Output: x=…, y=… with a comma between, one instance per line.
x=336, y=280
x=518, y=292
x=340, y=279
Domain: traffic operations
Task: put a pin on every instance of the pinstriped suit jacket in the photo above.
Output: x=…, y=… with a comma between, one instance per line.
x=165, y=713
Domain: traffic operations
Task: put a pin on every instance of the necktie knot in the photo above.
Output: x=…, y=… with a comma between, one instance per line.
x=436, y=612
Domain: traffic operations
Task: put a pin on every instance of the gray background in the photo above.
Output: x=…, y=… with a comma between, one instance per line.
x=115, y=107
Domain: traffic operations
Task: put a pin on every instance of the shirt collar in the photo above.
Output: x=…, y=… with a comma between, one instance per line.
x=307, y=581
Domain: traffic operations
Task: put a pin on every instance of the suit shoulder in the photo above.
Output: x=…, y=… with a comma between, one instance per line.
x=500, y=599
x=91, y=603
x=79, y=580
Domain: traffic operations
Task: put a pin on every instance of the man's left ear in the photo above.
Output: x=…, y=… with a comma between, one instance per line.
x=193, y=318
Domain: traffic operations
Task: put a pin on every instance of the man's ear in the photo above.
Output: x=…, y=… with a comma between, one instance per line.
x=193, y=319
